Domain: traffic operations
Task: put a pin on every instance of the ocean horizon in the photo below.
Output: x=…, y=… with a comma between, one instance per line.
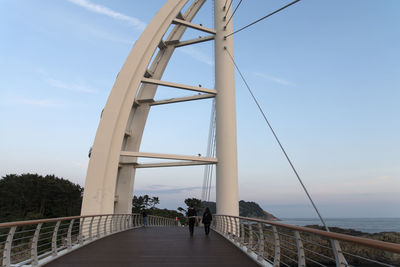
x=366, y=225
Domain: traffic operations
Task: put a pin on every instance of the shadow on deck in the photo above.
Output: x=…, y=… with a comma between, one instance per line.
x=157, y=246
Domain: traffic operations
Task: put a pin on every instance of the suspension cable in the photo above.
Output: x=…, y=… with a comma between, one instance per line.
x=230, y=4
x=277, y=139
x=270, y=14
x=233, y=13
x=210, y=153
x=213, y=151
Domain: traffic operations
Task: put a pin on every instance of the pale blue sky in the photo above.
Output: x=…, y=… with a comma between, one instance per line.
x=325, y=72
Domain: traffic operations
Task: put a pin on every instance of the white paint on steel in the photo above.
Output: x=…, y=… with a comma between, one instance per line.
x=173, y=164
x=195, y=41
x=166, y=156
x=193, y=26
x=181, y=99
x=179, y=86
x=226, y=171
x=101, y=185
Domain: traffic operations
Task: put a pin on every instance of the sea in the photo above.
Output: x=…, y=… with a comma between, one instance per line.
x=366, y=225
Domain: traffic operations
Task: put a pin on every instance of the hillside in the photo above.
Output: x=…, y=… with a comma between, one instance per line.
x=246, y=209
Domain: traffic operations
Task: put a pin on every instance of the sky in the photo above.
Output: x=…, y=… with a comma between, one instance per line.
x=325, y=72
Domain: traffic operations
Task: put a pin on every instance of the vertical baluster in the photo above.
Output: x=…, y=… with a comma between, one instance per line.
x=301, y=259
x=34, y=252
x=105, y=226
x=125, y=220
x=337, y=251
x=80, y=237
x=260, y=241
x=111, y=223
x=277, y=256
x=54, y=239
x=224, y=225
x=237, y=230
x=250, y=244
x=230, y=231
x=121, y=221
x=69, y=234
x=241, y=233
x=8, y=246
x=90, y=228
x=98, y=226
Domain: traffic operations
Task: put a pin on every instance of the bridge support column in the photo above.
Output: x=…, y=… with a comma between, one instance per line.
x=226, y=170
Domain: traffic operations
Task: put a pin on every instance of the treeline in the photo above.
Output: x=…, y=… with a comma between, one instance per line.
x=32, y=196
x=147, y=203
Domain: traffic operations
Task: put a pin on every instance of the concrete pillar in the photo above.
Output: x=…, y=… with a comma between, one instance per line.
x=226, y=170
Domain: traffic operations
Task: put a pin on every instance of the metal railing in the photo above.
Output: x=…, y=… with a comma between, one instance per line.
x=37, y=242
x=272, y=243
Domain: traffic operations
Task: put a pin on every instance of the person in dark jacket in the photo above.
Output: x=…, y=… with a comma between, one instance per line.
x=192, y=217
x=207, y=218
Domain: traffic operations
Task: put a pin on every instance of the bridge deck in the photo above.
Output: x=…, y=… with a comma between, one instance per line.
x=157, y=246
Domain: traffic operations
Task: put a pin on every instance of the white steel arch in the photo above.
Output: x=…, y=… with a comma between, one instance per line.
x=111, y=170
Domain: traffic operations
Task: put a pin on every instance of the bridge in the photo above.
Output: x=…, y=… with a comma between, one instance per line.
x=108, y=234
x=122, y=240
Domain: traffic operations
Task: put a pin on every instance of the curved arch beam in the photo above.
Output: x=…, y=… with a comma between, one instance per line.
x=139, y=113
x=104, y=179
x=102, y=171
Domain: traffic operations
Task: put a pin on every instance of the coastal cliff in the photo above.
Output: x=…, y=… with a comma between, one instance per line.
x=246, y=209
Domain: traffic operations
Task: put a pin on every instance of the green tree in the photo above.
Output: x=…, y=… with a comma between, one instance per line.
x=144, y=202
x=32, y=196
x=196, y=203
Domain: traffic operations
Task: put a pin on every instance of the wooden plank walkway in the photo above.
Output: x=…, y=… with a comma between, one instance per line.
x=157, y=246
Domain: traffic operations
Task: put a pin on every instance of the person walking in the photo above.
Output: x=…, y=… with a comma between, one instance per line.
x=192, y=217
x=207, y=218
x=144, y=214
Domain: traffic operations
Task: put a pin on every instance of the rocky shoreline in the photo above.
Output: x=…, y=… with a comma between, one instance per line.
x=371, y=253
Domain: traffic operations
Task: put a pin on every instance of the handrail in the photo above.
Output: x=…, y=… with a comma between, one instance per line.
x=35, y=243
x=392, y=247
x=21, y=223
x=255, y=238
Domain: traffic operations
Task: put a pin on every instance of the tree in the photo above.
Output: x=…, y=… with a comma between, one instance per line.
x=32, y=196
x=144, y=202
x=196, y=203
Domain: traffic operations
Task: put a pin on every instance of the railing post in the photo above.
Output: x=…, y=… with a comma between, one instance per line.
x=241, y=233
x=230, y=232
x=301, y=258
x=54, y=239
x=34, y=252
x=126, y=218
x=105, y=226
x=121, y=221
x=250, y=244
x=237, y=230
x=260, y=241
x=98, y=226
x=277, y=256
x=69, y=234
x=90, y=228
x=7, y=247
x=80, y=236
x=111, y=223
x=337, y=251
x=224, y=226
